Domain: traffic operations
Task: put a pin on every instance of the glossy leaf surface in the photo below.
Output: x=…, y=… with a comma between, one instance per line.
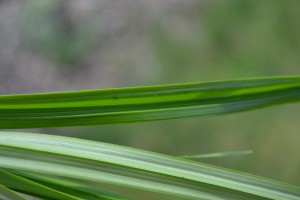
x=138, y=104
x=88, y=160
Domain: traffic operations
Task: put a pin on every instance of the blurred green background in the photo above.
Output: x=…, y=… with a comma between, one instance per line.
x=60, y=45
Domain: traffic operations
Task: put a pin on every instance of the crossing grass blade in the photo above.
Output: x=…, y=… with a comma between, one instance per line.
x=29, y=187
x=95, y=161
x=138, y=104
x=79, y=190
x=219, y=154
x=52, y=188
x=7, y=194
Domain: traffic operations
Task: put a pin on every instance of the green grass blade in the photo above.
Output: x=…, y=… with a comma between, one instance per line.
x=7, y=194
x=71, y=187
x=137, y=104
x=219, y=154
x=30, y=187
x=97, y=161
x=108, y=173
x=52, y=188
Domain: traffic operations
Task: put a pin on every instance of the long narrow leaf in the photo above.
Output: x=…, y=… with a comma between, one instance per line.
x=22, y=184
x=97, y=161
x=219, y=154
x=7, y=194
x=139, y=104
x=108, y=173
x=51, y=188
x=70, y=187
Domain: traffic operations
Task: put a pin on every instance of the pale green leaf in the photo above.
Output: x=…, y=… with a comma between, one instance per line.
x=7, y=194
x=88, y=160
x=219, y=154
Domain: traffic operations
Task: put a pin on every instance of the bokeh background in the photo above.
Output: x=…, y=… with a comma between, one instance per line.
x=61, y=45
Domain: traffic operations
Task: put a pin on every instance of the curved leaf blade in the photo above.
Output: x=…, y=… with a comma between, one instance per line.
x=71, y=167
x=21, y=184
x=138, y=104
x=97, y=161
x=52, y=188
x=7, y=194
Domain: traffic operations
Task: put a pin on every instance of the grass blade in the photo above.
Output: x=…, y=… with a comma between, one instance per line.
x=108, y=173
x=97, y=161
x=7, y=194
x=137, y=104
x=70, y=187
x=52, y=188
x=29, y=187
x=219, y=154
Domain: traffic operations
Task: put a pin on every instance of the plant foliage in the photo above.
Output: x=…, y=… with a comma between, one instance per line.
x=34, y=163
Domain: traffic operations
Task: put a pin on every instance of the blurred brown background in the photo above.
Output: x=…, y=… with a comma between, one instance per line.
x=61, y=45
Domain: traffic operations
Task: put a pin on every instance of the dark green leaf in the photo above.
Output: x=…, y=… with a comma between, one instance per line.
x=137, y=104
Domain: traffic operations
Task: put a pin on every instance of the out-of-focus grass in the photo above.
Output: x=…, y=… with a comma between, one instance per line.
x=232, y=39
x=51, y=32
